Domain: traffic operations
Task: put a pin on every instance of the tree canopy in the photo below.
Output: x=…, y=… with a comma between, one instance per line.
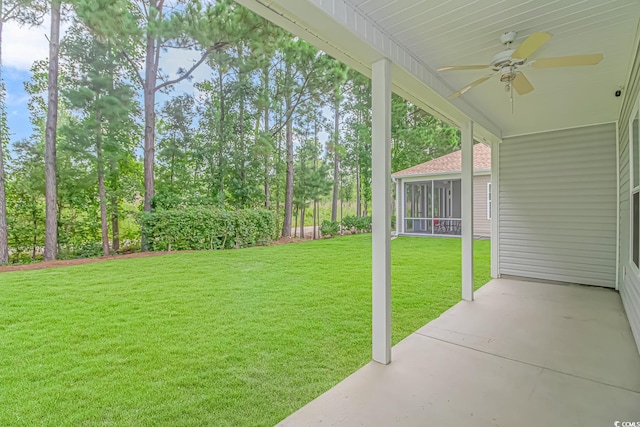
x=274, y=124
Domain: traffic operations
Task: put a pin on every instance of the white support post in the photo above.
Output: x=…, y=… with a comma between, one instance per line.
x=380, y=210
x=403, y=204
x=433, y=212
x=495, y=210
x=398, y=207
x=467, y=211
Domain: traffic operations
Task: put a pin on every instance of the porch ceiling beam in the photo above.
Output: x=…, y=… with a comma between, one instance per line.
x=381, y=210
x=467, y=211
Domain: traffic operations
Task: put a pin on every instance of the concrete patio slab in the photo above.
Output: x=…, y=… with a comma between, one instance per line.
x=575, y=329
x=523, y=353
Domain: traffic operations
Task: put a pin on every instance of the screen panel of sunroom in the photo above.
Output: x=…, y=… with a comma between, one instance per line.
x=433, y=207
x=417, y=214
x=447, y=207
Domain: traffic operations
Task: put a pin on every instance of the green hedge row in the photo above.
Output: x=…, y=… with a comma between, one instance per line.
x=198, y=228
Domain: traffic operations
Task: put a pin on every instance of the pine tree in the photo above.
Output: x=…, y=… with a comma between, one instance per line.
x=25, y=12
x=51, y=198
x=103, y=101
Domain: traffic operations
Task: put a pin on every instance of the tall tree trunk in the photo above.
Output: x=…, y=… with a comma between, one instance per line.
x=288, y=198
x=149, y=122
x=243, y=155
x=243, y=159
x=115, y=224
x=267, y=186
x=358, y=191
x=302, y=211
x=149, y=95
x=51, y=224
x=315, y=219
x=221, y=137
x=295, y=225
x=113, y=170
x=278, y=164
x=4, y=232
x=35, y=237
x=102, y=192
x=336, y=157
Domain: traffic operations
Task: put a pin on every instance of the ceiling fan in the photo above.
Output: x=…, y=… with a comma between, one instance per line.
x=509, y=62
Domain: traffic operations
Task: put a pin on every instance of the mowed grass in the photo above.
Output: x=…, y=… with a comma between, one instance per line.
x=227, y=338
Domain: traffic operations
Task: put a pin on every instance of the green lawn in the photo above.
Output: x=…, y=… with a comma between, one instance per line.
x=229, y=338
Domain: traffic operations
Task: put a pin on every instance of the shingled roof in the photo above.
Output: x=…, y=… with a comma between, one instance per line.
x=451, y=163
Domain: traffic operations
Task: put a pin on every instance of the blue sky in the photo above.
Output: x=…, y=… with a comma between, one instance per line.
x=21, y=46
x=17, y=112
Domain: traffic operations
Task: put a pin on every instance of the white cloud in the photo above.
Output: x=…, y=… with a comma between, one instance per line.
x=22, y=45
x=174, y=59
x=13, y=100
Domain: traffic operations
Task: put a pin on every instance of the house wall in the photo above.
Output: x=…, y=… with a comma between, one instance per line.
x=629, y=280
x=558, y=205
x=481, y=221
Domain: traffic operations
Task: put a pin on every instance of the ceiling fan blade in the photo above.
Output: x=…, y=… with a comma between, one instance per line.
x=567, y=61
x=463, y=67
x=521, y=84
x=470, y=86
x=530, y=45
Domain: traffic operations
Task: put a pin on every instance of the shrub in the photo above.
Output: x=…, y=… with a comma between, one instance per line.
x=129, y=248
x=353, y=223
x=329, y=228
x=363, y=224
x=23, y=258
x=83, y=250
x=197, y=228
x=349, y=222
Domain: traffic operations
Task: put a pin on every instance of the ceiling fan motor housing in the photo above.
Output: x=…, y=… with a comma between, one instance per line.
x=507, y=74
x=503, y=59
x=508, y=37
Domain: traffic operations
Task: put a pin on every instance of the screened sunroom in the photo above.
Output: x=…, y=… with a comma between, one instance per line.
x=432, y=207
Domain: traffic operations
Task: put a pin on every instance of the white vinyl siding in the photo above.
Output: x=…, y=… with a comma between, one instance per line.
x=558, y=206
x=481, y=223
x=629, y=277
x=634, y=132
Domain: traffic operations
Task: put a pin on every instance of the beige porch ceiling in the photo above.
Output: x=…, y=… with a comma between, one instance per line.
x=452, y=32
x=466, y=32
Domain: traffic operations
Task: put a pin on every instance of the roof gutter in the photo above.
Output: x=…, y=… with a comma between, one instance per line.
x=436, y=173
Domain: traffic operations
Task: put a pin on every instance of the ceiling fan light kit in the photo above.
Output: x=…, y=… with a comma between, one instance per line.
x=507, y=63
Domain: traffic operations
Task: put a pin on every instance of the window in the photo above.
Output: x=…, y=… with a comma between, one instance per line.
x=635, y=189
x=488, y=200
